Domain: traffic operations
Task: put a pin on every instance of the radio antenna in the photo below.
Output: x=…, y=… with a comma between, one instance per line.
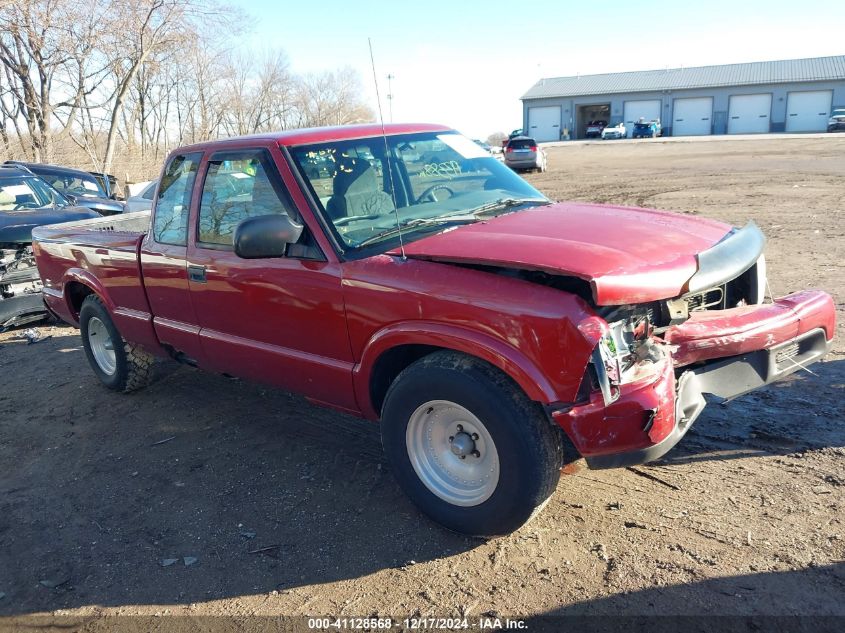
x=387, y=154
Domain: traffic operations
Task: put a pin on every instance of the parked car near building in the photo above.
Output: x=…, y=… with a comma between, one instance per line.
x=79, y=187
x=522, y=152
x=837, y=121
x=595, y=128
x=615, y=131
x=492, y=333
x=647, y=129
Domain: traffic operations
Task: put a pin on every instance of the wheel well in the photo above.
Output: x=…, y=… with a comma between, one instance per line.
x=76, y=293
x=393, y=361
x=390, y=364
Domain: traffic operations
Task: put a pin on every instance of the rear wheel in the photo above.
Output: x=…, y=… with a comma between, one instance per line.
x=467, y=446
x=119, y=365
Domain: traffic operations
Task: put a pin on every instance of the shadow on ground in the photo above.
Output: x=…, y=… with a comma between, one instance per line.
x=804, y=412
x=752, y=602
x=265, y=491
x=203, y=487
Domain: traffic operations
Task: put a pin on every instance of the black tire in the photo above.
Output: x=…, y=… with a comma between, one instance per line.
x=133, y=366
x=528, y=446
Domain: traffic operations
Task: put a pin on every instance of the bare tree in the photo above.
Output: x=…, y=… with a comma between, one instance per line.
x=45, y=46
x=116, y=83
x=140, y=29
x=496, y=139
x=332, y=98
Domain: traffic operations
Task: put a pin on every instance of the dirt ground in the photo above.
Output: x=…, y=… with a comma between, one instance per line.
x=289, y=509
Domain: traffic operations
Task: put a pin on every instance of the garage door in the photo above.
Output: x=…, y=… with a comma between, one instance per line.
x=692, y=117
x=636, y=110
x=544, y=123
x=808, y=111
x=749, y=114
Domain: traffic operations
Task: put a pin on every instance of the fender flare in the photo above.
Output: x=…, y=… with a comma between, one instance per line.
x=495, y=351
x=81, y=276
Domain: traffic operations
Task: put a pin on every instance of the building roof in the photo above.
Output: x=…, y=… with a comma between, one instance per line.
x=783, y=71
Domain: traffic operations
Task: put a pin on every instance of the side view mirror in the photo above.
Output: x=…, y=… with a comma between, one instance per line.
x=265, y=236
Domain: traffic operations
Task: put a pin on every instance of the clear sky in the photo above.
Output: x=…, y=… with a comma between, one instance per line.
x=465, y=63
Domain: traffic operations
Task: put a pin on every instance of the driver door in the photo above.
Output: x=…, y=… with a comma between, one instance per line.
x=277, y=320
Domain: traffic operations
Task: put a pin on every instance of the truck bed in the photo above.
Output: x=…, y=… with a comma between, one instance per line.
x=103, y=253
x=108, y=230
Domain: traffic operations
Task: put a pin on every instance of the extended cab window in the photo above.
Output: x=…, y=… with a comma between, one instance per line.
x=238, y=185
x=174, y=200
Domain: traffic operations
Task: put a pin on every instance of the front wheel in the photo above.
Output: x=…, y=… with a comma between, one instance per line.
x=467, y=446
x=119, y=365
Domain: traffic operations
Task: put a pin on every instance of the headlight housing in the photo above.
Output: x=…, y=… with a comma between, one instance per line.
x=624, y=354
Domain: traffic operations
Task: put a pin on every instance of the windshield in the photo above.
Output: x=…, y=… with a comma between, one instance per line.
x=26, y=192
x=75, y=184
x=431, y=181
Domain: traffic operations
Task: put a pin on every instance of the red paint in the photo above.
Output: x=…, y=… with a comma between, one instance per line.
x=627, y=255
x=520, y=327
x=621, y=427
x=321, y=327
x=717, y=334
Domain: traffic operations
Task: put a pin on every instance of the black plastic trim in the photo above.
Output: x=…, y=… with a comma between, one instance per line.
x=728, y=259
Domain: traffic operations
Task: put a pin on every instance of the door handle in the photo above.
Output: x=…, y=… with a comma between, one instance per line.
x=196, y=274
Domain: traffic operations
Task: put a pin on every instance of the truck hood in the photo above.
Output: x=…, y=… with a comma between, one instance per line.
x=627, y=255
x=103, y=206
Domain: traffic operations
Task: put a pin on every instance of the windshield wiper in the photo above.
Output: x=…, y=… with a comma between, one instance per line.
x=459, y=217
x=504, y=203
x=463, y=218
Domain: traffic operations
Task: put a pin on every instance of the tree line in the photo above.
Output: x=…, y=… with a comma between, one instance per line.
x=113, y=85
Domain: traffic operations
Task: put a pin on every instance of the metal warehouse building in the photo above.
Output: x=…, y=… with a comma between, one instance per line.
x=795, y=95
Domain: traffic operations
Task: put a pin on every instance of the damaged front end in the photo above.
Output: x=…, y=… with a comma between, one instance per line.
x=21, y=300
x=653, y=364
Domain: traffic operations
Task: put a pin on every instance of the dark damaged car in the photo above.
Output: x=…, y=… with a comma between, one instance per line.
x=418, y=282
x=26, y=201
x=80, y=188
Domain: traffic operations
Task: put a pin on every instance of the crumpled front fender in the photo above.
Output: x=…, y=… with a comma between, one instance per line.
x=712, y=334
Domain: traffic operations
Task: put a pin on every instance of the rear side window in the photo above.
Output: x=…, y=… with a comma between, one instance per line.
x=522, y=143
x=174, y=200
x=238, y=185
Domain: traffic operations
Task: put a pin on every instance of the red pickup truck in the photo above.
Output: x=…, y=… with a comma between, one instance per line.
x=410, y=278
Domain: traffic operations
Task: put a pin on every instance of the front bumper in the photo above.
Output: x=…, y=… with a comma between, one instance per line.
x=750, y=348
x=21, y=309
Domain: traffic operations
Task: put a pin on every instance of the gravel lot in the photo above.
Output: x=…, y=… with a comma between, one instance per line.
x=271, y=506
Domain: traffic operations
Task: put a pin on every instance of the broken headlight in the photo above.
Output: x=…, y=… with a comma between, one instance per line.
x=625, y=353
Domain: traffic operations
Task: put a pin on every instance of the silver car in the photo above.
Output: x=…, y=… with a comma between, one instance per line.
x=143, y=200
x=522, y=152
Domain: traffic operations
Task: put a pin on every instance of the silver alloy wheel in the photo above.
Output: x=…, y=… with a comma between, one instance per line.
x=102, y=347
x=452, y=453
